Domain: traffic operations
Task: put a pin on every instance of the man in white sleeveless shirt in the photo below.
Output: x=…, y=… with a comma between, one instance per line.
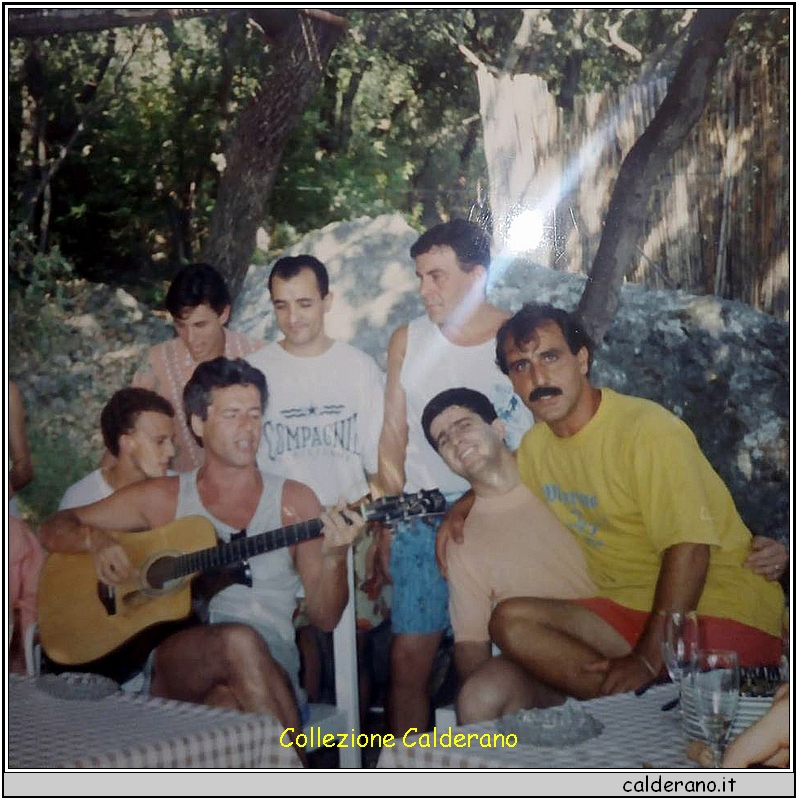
x=452, y=345
x=138, y=430
x=246, y=658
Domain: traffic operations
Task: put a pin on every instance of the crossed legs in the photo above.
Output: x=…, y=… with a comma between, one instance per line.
x=554, y=641
x=226, y=665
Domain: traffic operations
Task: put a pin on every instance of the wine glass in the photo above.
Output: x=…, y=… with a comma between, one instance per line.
x=715, y=688
x=679, y=642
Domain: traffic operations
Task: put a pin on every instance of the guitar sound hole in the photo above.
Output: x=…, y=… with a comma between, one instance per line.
x=159, y=572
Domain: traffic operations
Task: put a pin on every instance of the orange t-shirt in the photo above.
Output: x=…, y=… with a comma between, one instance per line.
x=513, y=546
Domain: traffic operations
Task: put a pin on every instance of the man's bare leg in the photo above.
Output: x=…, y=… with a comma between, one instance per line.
x=555, y=640
x=225, y=665
x=501, y=687
x=412, y=656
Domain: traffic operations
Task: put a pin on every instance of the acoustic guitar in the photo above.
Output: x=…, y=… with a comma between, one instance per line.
x=82, y=619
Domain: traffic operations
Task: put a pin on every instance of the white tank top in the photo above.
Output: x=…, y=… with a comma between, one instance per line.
x=431, y=365
x=271, y=600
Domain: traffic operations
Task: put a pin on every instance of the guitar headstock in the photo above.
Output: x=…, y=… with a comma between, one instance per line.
x=396, y=508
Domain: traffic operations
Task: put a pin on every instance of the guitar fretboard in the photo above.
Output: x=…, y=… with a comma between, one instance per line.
x=245, y=547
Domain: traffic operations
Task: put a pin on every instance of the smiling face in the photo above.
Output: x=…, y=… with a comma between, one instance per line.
x=231, y=432
x=149, y=447
x=201, y=330
x=300, y=309
x=551, y=380
x=467, y=443
x=445, y=288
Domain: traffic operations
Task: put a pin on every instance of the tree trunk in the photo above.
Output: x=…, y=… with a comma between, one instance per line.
x=627, y=214
x=253, y=153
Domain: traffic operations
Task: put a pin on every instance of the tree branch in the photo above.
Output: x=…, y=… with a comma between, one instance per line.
x=31, y=23
x=626, y=217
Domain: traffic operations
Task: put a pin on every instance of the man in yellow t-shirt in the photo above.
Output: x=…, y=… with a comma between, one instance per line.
x=656, y=523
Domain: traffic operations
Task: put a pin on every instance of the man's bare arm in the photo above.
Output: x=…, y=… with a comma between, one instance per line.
x=469, y=657
x=321, y=563
x=393, y=438
x=140, y=506
x=767, y=741
x=679, y=586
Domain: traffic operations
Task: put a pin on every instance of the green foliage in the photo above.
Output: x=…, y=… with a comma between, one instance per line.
x=395, y=126
x=139, y=181
x=762, y=31
x=33, y=275
x=59, y=460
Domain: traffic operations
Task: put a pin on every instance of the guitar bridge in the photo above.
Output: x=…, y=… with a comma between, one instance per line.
x=107, y=596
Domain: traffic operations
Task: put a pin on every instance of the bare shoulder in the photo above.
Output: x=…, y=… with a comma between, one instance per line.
x=397, y=347
x=154, y=498
x=299, y=502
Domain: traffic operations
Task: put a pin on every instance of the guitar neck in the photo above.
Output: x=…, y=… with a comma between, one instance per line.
x=386, y=509
x=244, y=547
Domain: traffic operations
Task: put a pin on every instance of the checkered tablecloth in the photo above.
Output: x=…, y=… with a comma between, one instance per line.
x=636, y=735
x=127, y=731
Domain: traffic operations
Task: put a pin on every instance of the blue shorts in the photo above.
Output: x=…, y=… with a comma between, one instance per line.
x=420, y=592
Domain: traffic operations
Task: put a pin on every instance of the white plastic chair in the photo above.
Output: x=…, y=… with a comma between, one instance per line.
x=344, y=716
x=32, y=650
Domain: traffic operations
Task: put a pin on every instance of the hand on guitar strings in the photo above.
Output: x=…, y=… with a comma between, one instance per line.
x=110, y=560
x=341, y=526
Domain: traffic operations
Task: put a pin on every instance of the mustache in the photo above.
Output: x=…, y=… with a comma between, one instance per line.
x=543, y=391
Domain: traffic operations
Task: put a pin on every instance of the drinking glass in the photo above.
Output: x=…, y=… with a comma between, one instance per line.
x=679, y=642
x=714, y=679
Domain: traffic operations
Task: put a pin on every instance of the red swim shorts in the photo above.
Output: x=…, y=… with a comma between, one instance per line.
x=753, y=646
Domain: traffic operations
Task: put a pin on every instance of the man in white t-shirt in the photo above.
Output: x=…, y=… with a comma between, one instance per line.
x=324, y=415
x=322, y=423
x=138, y=430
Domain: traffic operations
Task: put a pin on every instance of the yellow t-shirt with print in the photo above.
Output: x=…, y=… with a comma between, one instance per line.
x=634, y=482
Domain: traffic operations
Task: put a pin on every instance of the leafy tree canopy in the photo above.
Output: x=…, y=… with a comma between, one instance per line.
x=117, y=138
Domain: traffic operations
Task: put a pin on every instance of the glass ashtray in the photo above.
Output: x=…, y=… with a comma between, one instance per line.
x=77, y=685
x=565, y=724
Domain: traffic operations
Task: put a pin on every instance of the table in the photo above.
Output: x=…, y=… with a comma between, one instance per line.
x=637, y=735
x=131, y=731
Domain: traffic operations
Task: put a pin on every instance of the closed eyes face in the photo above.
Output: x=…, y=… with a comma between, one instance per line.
x=453, y=432
x=232, y=430
x=151, y=443
x=300, y=309
x=465, y=441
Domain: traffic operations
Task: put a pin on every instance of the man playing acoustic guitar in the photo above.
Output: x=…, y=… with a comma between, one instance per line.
x=246, y=658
